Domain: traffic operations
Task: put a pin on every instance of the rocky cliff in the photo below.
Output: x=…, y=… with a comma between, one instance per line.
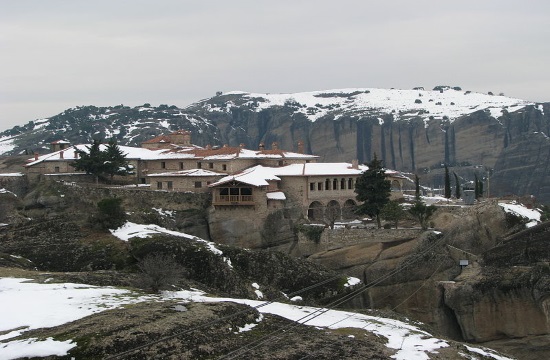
x=501, y=140
x=501, y=295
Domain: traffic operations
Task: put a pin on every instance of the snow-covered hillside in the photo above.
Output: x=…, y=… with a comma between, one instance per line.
x=448, y=103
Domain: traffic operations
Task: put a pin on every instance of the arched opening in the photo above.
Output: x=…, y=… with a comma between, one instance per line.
x=348, y=211
x=395, y=185
x=315, y=211
x=335, y=184
x=343, y=184
x=333, y=212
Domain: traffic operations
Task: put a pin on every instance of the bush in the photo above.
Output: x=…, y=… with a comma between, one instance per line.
x=159, y=271
x=418, y=101
x=110, y=214
x=312, y=232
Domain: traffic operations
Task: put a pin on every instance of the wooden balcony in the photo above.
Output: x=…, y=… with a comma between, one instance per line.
x=233, y=200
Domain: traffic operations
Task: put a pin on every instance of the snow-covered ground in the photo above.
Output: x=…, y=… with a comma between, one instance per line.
x=401, y=103
x=62, y=303
x=532, y=216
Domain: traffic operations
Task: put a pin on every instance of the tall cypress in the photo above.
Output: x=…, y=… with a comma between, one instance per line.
x=457, y=186
x=447, y=183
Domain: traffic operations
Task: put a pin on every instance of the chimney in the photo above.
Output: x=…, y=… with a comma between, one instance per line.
x=208, y=147
x=355, y=164
x=61, y=154
x=35, y=156
x=300, y=147
x=241, y=145
x=76, y=154
x=261, y=147
x=224, y=145
x=275, y=146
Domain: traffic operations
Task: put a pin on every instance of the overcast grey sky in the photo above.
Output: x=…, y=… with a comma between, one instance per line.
x=58, y=54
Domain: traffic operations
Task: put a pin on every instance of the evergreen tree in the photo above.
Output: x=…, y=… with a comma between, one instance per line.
x=392, y=211
x=457, y=188
x=422, y=212
x=115, y=161
x=447, y=183
x=373, y=190
x=416, y=187
x=91, y=161
x=99, y=163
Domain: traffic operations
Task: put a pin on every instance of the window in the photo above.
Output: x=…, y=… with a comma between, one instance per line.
x=57, y=169
x=343, y=184
x=210, y=165
x=350, y=183
x=224, y=167
x=327, y=184
x=159, y=185
x=319, y=186
x=163, y=165
x=199, y=165
x=281, y=163
x=170, y=185
x=181, y=166
x=198, y=184
x=311, y=186
x=335, y=184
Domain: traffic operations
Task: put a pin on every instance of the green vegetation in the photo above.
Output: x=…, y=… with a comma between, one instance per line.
x=100, y=163
x=312, y=232
x=110, y=214
x=373, y=190
x=392, y=211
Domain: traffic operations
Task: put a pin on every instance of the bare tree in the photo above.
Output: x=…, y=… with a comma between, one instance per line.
x=159, y=272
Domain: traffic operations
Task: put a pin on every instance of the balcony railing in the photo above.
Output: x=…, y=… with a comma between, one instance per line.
x=233, y=200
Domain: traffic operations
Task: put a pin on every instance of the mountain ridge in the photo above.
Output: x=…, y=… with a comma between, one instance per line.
x=413, y=130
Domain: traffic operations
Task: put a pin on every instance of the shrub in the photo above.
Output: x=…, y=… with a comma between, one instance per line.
x=418, y=101
x=312, y=232
x=159, y=272
x=110, y=214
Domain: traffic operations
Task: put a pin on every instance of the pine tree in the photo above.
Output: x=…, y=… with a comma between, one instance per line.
x=91, y=161
x=115, y=161
x=392, y=211
x=447, y=183
x=373, y=190
x=99, y=163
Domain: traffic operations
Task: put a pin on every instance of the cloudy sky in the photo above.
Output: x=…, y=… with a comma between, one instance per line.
x=58, y=54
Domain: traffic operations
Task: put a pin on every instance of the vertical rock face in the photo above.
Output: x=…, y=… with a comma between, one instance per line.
x=511, y=150
x=501, y=139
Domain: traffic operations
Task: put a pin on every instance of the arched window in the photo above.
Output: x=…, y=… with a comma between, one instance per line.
x=350, y=183
x=335, y=184
x=327, y=184
x=343, y=184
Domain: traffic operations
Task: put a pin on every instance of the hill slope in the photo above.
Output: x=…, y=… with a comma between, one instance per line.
x=411, y=130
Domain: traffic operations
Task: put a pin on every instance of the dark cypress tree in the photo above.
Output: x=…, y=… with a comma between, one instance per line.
x=447, y=183
x=416, y=187
x=457, y=186
x=373, y=190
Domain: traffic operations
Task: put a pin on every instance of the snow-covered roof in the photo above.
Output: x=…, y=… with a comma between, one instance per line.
x=256, y=176
x=188, y=173
x=276, y=195
x=260, y=175
x=320, y=169
x=178, y=152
